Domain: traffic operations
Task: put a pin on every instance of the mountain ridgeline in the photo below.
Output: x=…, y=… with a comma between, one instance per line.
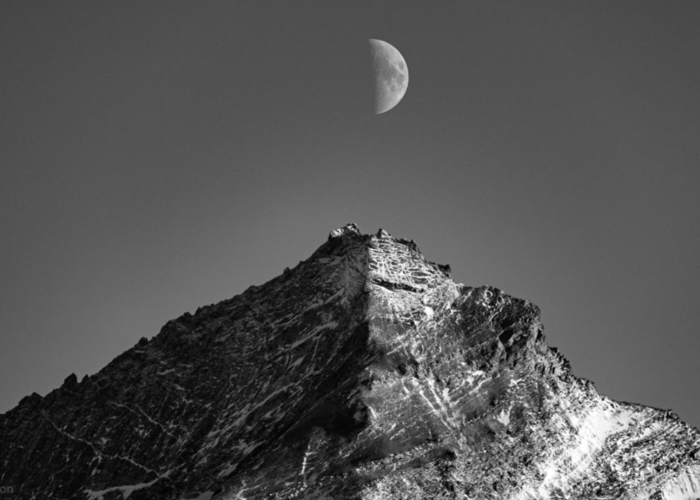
x=363, y=373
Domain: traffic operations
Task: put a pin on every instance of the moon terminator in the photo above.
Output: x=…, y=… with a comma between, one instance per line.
x=390, y=75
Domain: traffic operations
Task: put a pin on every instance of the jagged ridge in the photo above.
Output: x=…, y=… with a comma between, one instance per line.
x=364, y=372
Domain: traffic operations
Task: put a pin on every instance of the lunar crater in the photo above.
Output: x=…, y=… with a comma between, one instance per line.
x=390, y=75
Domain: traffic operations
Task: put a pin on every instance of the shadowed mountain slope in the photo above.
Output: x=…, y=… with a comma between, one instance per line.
x=363, y=373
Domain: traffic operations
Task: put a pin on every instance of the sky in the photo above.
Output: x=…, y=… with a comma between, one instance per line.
x=160, y=156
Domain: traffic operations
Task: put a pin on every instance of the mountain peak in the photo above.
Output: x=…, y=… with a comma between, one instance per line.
x=363, y=372
x=347, y=229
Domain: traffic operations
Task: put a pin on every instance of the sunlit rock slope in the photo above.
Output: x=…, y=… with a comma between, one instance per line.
x=363, y=373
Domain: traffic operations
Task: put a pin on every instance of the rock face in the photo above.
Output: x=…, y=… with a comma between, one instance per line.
x=363, y=373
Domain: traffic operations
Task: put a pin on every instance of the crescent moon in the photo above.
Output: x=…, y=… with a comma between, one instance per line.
x=390, y=75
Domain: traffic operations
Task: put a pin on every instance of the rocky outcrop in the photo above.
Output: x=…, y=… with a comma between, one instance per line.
x=363, y=373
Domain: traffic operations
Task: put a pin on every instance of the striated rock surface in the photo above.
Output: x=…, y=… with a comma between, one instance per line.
x=363, y=373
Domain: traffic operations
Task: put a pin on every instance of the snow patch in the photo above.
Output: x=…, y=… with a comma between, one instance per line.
x=228, y=470
x=504, y=417
x=125, y=490
x=603, y=420
x=684, y=487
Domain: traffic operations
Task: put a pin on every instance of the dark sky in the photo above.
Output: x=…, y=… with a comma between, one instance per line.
x=160, y=156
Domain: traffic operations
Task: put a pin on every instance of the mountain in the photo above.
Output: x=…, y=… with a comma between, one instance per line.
x=363, y=373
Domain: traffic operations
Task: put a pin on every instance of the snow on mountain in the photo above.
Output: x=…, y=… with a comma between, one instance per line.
x=363, y=373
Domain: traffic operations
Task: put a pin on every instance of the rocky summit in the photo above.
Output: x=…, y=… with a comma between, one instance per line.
x=363, y=373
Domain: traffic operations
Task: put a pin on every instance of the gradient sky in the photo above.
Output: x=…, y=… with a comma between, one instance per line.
x=160, y=156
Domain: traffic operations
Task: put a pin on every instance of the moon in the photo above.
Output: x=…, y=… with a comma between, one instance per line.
x=390, y=75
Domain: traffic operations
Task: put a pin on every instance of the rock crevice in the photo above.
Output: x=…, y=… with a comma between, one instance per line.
x=363, y=372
